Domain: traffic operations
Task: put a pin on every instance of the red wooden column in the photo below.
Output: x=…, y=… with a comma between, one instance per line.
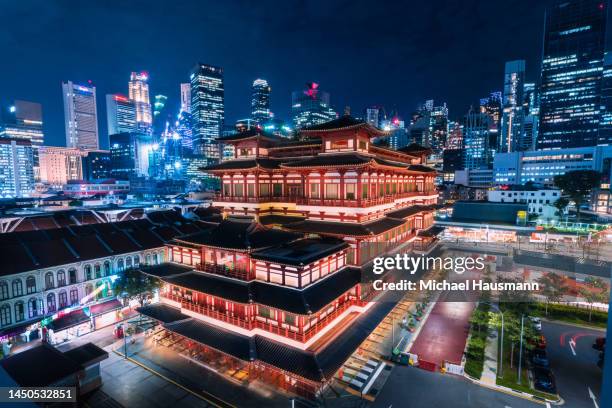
x=303, y=180
x=359, y=187
x=256, y=193
x=322, y=186
x=342, y=173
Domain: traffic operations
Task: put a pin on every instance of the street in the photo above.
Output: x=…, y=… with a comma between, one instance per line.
x=410, y=387
x=574, y=363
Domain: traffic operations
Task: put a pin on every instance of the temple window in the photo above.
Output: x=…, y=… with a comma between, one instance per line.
x=238, y=190
x=363, y=145
x=364, y=191
x=290, y=319
x=339, y=144
x=264, y=190
x=314, y=190
x=350, y=191
x=277, y=189
x=227, y=188
x=251, y=190
x=331, y=190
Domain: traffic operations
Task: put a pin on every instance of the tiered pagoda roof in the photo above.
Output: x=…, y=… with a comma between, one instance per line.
x=343, y=123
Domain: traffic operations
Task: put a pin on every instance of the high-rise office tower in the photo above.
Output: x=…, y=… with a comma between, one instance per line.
x=130, y=155
x=492, y=106
x=97, y=165
x=260, y=101
x=438, y=128
x=605, y=123
x=373, y=115
x=16, y=168
x=139, y=93
x=513, y=111
x=398, y=134
x=120, y=114
x=207, y=109
x=478, y=140
x=454, y=141
x=572, y=70
x=531, y=99
x=80, y=116
x=59, y=165
x=23, y=120
x=186, y=97
x=161, y=114
x=311, y=107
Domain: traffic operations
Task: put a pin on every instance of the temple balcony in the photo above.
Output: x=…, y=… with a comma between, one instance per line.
x=240, y=272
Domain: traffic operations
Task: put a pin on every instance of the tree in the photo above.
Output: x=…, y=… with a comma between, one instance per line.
x=552, y=287
x=561, y=204
x=597, y=294
x=577, y=185
x=480, y=317
x=132, y=283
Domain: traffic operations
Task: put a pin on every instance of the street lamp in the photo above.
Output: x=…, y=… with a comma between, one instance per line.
x=520, y=350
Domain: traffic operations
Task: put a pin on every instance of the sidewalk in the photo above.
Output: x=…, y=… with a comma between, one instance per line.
x=489, y=370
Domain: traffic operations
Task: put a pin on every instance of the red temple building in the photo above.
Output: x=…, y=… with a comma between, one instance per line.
x=274, y=286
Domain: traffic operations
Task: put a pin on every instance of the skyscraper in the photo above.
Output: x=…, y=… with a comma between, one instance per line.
x=120, y=114
x=478, y=140
x=130, y=155
x=438, y=128
x=186, y=97
x=311, y=107
x=161, y=114
x=16, y=168
x=80, y=116
x=572, y=70
x=373, y=115
x=139, y=93
x=260, y=101
x=513, y=110
x=605, y=123
x=207, y=109
x=23, y=120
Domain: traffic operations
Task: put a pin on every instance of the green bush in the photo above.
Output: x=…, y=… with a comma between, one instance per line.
x=572, y=314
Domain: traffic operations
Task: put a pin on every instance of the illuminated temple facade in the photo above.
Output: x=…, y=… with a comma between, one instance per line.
x=274, y=284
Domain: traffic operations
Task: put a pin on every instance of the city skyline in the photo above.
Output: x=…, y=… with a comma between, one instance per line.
x=413, y=57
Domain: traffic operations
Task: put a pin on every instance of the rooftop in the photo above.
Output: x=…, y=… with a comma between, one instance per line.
x=301, y=252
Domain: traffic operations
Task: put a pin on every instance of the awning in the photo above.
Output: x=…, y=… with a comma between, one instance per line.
x=105, y=307
x=69, y=320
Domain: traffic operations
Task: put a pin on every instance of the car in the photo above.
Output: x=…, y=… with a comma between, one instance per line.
x=544, y=380
x=537, y=323
x=539, y=358
x=599, y=344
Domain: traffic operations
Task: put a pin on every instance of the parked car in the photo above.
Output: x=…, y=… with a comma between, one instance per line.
x=539, y=358
x=537, y=323
x=599, y=344
x=544, y=380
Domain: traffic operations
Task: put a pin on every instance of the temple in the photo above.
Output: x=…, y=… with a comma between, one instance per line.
x=273, y=287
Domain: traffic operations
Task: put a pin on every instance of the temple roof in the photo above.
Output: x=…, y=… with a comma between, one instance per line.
x=405, y=212
x=300, y=301
x=341, y=159
x=238, y=234
x=240, y=164
x=416, y=149
x=301, y=252
x=253, y=133
x=314, y=366
x=342, y=229
x=421, y=168
x=162, y=312
x=345, y=122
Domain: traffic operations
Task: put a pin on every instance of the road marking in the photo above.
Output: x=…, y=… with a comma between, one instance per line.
x=572, y=344
x=548, y=405
x=592, y=396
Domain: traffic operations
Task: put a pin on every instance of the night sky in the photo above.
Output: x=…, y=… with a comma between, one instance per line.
x=393, y=53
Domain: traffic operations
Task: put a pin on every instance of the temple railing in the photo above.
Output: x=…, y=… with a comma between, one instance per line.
x=238, y=273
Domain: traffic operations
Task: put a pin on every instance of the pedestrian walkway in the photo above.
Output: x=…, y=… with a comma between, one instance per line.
x=489, y=370
x=442, y=338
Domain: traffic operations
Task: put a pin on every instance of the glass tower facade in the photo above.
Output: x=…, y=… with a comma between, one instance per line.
x=572, y=71
x=311, y=107
x=207, y=109
x=512, y=113
x=260, y=101
x=16, y=168
x=139, y=94
x=120, y=114
x=80, y=116
x=478, y=141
